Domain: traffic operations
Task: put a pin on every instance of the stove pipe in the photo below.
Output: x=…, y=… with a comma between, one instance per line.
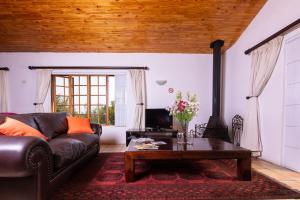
x=216, y=103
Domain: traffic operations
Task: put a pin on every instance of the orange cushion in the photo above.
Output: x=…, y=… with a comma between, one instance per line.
x=79, y=125
x=12, y=127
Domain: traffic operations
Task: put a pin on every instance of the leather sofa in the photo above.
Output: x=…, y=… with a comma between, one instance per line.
x=31, y=168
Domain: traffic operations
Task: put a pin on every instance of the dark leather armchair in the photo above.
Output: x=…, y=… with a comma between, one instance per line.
x=31, y=168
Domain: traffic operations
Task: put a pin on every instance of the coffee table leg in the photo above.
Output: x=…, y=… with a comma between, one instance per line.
x=244, y=169
x=129, y=168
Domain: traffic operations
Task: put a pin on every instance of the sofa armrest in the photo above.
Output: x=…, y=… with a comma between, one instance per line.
x=97, y=128
x=23, y=156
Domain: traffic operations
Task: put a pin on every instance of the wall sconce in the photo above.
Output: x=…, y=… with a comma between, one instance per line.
x=161, y=82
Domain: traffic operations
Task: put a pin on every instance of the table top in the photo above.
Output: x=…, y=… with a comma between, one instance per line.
x=152, y=130
x=199, y=144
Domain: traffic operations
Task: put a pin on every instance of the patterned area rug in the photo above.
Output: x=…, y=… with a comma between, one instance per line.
x=103, y=178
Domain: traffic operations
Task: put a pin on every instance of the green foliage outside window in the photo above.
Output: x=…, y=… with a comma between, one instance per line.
x=62, y=104
x=101, y=113
x=111, y=113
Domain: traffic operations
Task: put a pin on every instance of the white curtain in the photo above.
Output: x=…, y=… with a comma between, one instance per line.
x=263, y=63
x=120, y=103
x=3, y=91
x=43, y=84
x=138, y=87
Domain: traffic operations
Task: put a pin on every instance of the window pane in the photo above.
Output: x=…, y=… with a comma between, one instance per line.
x=94, y=80
x=66, y=100
x=76, y=110
x=111, y=119
x=59, y=91
x=102, y=80
x=94, y=118
x=66, y=82
x=111, y=100
x=61, y=101
x=59, y=81
x=94, y=100
x=94, y=110
x=102, y=119
x=111, y=114
x=75, y=80
x=83, y=100
x=102, y=110
x=83, y=109
x=111, y=97
x=102, y=90
x=76, y=90
x=67, y=91
x=94, y=90
x=102, y=100
x=83, y=80
x=60, y=108
x=76, y=100
x=83, y=90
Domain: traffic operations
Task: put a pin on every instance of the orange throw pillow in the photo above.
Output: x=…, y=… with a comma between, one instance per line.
x=12, y=127
x=79, y=125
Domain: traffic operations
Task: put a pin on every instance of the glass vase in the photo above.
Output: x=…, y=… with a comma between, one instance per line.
x=182, y=137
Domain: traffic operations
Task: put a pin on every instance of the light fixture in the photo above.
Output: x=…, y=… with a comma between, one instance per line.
x=161, y=82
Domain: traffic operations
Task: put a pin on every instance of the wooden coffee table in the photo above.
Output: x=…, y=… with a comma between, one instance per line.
x=203, y=148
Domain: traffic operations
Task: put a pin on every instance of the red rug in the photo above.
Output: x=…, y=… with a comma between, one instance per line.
x=103, y=178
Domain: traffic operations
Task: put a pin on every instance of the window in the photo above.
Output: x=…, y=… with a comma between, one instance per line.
x=91, y=96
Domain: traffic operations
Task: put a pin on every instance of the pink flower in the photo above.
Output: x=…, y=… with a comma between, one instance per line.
x=181, y=105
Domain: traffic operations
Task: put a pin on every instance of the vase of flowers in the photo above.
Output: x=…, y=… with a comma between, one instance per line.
x=184, y=110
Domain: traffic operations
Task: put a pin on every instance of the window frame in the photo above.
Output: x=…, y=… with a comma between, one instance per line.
x=71, y=95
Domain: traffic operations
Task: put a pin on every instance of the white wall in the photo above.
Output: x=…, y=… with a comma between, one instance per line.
x=275, y=15
x=185, y=72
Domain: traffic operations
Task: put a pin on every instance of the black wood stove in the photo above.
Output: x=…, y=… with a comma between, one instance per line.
x=216, y=127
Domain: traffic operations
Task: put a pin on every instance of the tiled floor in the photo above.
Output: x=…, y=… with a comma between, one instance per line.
x=280, y=174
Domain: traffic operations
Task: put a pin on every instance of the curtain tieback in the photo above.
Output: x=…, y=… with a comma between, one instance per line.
x=249, y=97
x=140, y=104
x=37, y=104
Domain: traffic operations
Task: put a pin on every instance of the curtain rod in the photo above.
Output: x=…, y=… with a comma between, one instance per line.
x=4, y=68
x=283, y=31
x=87, y=67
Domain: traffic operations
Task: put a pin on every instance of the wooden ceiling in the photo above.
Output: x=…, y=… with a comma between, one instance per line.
x=160, y=26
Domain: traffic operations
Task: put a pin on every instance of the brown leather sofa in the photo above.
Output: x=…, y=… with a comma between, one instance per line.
x=31, y=168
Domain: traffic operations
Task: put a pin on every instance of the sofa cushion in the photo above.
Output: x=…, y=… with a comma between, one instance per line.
x=2, y=119
x=25, y=118
x=77, y=125
x=88, y=139
x=66, y=151
x=12, y=127
x=52, y=124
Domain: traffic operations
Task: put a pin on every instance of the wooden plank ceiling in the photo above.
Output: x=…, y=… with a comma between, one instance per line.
x=161, y=26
